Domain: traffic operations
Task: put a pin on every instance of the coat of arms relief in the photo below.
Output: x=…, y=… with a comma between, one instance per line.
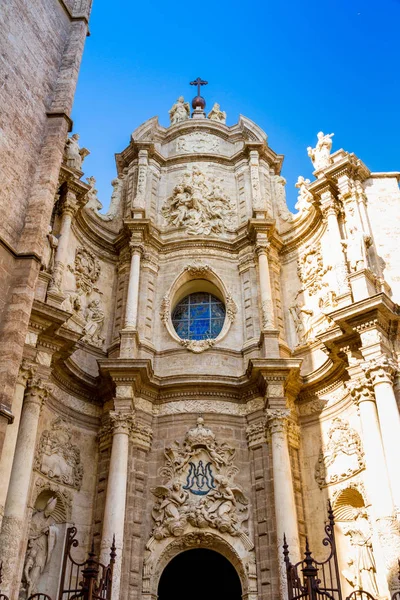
x=198, y=488
x=200, y=205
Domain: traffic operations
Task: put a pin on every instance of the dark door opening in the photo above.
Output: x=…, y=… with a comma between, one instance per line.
x=199, y=574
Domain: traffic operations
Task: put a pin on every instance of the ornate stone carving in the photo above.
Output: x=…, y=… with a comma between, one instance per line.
x=94, y=317
x=180, y=111
x=197, y=346
x=57, y=458
x=73, y=154
x=382, y=369
x=198, y=269
x=36, y=390
x=302, y=318
x=49, y=252
x=41, y=542
x=320, y=155
x=210, y=406
x=199, y=489
x=216, y=114
x=356, y=246
x=283, y=211
x=342, y=457
x=92, y=200
x=310, y=268
x=142, y=436
x=231, y=308
x=255, y=434
x=118, y=185
x=121, y=422
x=305, y=197
x=64, y=506
x=277, y=420
x=200, y=206
x=255, y=179
x=198, y=142
x=361, y=573
x=361, y=390
x=165, y=309
x=87, y=270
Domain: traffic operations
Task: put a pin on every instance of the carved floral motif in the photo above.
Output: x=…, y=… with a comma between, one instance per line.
x=342, y=457
x=57, y=458
x=200, y=205
x=199, y=489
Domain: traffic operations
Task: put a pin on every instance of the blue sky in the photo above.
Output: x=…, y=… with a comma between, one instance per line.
x=294, y=67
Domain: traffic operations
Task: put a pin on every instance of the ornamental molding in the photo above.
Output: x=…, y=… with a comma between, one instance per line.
x=341, y=457
x=256, y=435
x=199, y=204
x=380, y=370
x=197, y=346
x=198, y=490
x=57, y=458
x=205, y=406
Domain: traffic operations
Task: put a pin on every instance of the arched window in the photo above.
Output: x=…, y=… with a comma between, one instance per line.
x=199, y=316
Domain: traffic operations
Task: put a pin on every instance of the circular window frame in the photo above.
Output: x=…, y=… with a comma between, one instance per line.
x=197, y=278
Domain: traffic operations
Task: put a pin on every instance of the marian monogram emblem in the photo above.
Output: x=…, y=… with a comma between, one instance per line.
x=200, y=479
x=199, y=490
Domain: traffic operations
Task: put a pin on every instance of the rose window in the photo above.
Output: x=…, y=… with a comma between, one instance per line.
x=199, y=316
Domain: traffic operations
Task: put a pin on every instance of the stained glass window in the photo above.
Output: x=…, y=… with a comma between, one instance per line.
x=199, y=316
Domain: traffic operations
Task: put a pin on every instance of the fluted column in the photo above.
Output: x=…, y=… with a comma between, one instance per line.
x=285, y=506
x=267, y=308
x=68, y=210
x=7, y=456
x=114, y=511
x=335, y=247
x=381, y=372
x=12, y=531
x=376, y=474
x=133, y=287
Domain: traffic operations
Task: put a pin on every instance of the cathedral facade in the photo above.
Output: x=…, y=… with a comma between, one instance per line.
x=200, y=369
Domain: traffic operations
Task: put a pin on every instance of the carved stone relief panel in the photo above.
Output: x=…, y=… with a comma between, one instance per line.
x=198, y=490
x=198, y=141
x=57, y=458
x=341, y=457
x=200, y=205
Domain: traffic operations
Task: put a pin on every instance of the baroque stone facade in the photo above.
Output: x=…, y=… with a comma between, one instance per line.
x=199, y=367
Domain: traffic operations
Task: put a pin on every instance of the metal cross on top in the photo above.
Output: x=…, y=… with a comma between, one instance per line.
x=199, y=82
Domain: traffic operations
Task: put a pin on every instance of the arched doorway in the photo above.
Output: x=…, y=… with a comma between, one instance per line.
x=199, y=574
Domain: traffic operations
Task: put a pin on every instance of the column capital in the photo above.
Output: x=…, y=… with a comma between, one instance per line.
x=329, y=207
x=256, y=435
x=277, y=419
x=70, y=203
x=26, y=371
x=262, y=247
x=361, y=390
x=36, y=391
x=141, y=436
x=121, y=422
x=136, y=247
x=381, y=369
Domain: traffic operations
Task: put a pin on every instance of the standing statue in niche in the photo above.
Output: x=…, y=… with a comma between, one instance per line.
x=321, y=154
x=305, y=197
x=362, y=572
x=42, y=539
x=356, y=246
x=180, y=111
x=73, y=154
x=216, y=114
x=302, y=318
x=49, y=251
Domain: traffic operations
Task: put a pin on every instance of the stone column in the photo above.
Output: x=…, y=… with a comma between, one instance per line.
x=267, y=309
x=68, y=211
x=12, y=531
x=114, y=511
x=381, y=371
x=133, y=287
x=25, y=372
x=285, y=506
x=335, y=247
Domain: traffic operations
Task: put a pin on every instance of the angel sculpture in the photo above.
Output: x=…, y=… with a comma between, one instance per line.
x=73, y=154
x=167, y=512
x=221, y=506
